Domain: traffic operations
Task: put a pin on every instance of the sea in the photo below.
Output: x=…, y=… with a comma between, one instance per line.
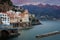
x=45, y=27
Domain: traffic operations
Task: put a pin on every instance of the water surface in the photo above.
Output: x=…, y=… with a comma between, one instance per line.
x=47, y=26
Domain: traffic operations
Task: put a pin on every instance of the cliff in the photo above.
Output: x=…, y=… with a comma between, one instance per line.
x=5, y=5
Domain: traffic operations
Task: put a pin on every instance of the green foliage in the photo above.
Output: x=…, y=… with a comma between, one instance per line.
x=7, y=1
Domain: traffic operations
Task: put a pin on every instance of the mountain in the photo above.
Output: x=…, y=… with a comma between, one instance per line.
x=43, y=10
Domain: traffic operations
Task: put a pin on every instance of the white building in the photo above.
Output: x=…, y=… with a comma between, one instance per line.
x=5, y=18
x=25, y=18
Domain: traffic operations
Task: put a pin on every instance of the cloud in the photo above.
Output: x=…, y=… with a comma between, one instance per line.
x=35, y=2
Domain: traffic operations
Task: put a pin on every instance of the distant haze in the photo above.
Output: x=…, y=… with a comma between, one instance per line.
x=35, y=2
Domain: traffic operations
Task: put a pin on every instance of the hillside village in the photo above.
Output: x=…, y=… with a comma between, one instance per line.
x=16, y=15
x=13, y=18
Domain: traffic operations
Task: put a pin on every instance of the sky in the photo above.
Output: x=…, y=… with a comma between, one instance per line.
x=35, y=2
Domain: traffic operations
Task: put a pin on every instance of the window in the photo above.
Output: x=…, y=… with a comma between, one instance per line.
x=20, y=20
x=4, y=15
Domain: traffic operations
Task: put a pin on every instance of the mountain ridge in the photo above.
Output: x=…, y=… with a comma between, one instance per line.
x=42, y=10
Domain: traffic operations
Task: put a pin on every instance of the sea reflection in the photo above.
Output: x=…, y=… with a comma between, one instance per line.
x=9, y=38
x=3, y=38
x=12, y=37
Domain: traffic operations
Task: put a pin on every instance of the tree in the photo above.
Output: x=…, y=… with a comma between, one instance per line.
x=7, y=1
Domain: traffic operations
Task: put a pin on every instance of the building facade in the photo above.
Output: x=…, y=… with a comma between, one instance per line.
x=5, y=18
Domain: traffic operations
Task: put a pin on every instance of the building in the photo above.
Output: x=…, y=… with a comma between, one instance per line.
x=14, y=16
x=18, y=16
x=5, y=18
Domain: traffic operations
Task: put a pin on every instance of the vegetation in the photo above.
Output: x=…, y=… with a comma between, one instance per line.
x=5, y=5
x=6, y=1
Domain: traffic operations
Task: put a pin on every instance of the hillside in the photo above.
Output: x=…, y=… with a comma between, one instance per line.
x=5, y=5
x=43, y=10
